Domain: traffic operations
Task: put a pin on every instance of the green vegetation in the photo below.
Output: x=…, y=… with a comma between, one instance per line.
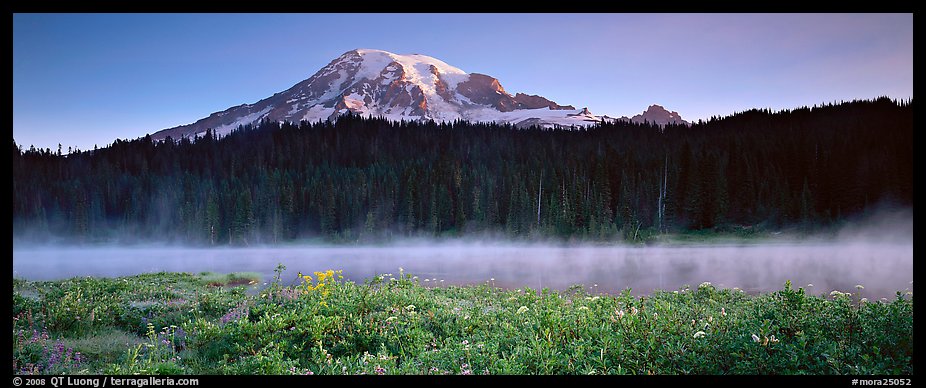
x=175, y=323
x=231, y=279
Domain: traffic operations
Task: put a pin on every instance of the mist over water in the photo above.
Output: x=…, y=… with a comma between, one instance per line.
x=883, y=268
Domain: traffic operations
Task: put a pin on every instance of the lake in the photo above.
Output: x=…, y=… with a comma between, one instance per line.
x=882, y=268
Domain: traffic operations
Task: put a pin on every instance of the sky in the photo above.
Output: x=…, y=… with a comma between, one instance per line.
x=87, y=79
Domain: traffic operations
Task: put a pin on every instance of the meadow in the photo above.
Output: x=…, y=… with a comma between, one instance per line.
x=183, y=323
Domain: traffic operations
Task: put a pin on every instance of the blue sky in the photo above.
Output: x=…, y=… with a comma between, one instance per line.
x=85, y=79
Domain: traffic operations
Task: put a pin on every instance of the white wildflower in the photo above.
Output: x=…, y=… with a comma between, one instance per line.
x=755, y=338
x=522, y=309
x=723, y=312
x=700, y=334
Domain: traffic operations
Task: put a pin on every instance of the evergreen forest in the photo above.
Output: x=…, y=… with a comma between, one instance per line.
x=369, y=179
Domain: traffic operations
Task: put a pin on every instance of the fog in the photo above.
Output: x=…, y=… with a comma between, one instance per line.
x=875, y=252
x=882, y=268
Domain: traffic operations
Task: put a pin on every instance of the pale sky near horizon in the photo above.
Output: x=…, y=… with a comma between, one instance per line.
x=85, y=79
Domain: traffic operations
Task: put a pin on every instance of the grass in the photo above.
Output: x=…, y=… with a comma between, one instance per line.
x=230, y=279
x=175, y=323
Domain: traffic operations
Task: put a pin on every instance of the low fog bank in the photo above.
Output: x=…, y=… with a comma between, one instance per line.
x=881, y=268
x=887, y=224
x=876, y=252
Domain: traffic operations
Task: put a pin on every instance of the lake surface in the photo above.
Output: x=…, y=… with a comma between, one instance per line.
x=882, y=269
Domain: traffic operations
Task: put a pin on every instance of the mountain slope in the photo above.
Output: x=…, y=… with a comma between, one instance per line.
x=656, y=114
x=398, y=87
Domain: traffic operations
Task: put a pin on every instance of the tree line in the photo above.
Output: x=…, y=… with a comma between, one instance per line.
x=365, y=178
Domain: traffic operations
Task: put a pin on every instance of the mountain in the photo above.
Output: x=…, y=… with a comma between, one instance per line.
x=656, y=114
x=380, y=83
x=403, y=87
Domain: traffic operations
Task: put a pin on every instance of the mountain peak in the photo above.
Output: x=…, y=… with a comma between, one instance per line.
x=395, y=86
x=657, y=114
x=402, y=87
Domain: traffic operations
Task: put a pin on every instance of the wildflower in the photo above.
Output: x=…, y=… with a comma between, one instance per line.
x=433, y=369
x=765, y=341
x=427, y=280
x=465, y=342
x=390, y=319
x=380, y=370
x=583, y=308
x=620, y=314
x=410, y=307
x=700, y=334
x=859, y=286
x=809, y=285
x=655, y=315
x=522, y=309
x=864, y=300
x=772, y=339
x=723, y=312
x=710, y=319
x=693, y=322
x=755, y=338
x=633, y=310
x=492, y=279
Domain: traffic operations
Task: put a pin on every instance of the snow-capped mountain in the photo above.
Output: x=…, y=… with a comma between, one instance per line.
x=656, y=114
x=397, y=87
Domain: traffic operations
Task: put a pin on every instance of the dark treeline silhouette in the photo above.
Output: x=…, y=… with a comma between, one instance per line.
x=364, y=178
